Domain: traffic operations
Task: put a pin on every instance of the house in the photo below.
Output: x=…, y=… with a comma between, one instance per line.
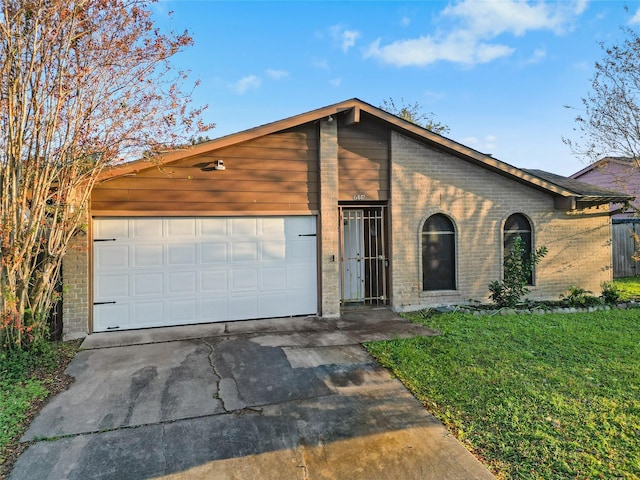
x=346, y=205
x=621, y=174
x=615, y=173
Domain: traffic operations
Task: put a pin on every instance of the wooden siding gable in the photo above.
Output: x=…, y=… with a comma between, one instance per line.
x=363, y=161
x=277, y=173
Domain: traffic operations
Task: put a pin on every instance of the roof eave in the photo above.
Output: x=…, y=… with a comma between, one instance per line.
x=586, y=201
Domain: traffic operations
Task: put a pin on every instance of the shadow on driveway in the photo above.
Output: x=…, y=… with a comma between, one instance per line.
x=273, y=399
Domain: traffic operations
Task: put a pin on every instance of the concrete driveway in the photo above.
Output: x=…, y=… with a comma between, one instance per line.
x=295, y=398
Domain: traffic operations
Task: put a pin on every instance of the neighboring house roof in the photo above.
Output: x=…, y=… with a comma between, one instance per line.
x=586, y=191
x=625, y=161
x=567, y=196
x=620, y=173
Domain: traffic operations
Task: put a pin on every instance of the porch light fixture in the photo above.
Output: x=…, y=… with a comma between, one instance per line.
x=218, y=165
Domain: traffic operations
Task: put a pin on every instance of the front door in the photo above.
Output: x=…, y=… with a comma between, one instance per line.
x=353, y=256
x=364, y=264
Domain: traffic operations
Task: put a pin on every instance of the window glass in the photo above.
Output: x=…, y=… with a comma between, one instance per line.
x=517, y=225
x=438, y=254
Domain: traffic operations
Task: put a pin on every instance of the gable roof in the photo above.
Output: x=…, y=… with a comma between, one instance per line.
x=585, y=191
x=626, y=161
x=352, y=111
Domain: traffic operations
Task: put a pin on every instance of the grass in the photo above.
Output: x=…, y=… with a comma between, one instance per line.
x=532, y=396
x=26, y=380
x=629, y=288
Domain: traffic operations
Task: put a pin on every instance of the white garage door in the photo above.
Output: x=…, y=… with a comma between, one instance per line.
x=151, y=272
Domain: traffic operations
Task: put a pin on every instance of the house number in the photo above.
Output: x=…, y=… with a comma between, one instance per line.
x=359, y=196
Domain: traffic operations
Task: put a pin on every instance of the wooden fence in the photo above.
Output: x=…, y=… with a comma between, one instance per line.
x=624, y=247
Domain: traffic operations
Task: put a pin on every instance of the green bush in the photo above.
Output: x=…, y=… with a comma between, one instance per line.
x=579, y=298
x=517, y=270
x=610, y=292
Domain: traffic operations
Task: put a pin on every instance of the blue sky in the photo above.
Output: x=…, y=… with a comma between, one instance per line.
x=497, y=72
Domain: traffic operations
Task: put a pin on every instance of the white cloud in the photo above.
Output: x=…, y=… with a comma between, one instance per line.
x=343, y=37
x=485, y=145
x=492, y=18
x=405, y=21
x=539, y=54
x=349, y=38
x=245, y=84
x=335, y=82
x=635, y=20
x=426, y=50
x=276, y=74
x=469, y=38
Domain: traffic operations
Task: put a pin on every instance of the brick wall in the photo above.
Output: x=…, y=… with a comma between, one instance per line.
x=329, y=219
x=75, y=300
x=426, y=181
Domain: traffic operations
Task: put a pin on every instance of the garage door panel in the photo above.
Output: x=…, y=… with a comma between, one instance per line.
x=181, y=254
x=112, y=256
x=182, y=282
x=244, y=227
x=182, y=311
x=112, y=315
x=111, y=286
x=112, y=228
x=148, y=255
x=175, y=271
x=273, y=278
x=147, y=314
x=300, y=226
x=273, y=305
x=241, y=307
x=214, y=281
x=148, y=284
x=213, y=227
x=301, y=251
x=297, y=302
x=214, y=253
x=298, y=278
x=181, y=227
x=147, y=228
x=214, y=309
x=273, y=228
x=244, y=279
x=273, y=251
x=244, y=252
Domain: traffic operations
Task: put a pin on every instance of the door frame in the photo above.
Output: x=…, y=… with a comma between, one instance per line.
x=368, y=222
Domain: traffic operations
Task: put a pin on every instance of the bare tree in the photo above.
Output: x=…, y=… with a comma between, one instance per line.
x=608, y=123
x=413, y=112
x=84, y=84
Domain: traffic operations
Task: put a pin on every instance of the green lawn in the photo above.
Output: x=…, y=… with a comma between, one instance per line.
x=26, y=379
x=629, y=288
x=532, y=396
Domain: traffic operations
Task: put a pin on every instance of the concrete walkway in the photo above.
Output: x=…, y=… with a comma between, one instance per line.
x=295, y=398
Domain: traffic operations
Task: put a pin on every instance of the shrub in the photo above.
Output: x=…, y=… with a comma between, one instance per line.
x=579, y=297
x=610, y=292
x=517, y=270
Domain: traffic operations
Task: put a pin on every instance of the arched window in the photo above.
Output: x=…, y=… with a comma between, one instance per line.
x=517, y=225
x=438, y=254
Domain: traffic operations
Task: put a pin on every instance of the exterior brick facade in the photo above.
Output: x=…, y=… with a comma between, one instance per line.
x=425, y=181
x=75, y=297
x=329, y=218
